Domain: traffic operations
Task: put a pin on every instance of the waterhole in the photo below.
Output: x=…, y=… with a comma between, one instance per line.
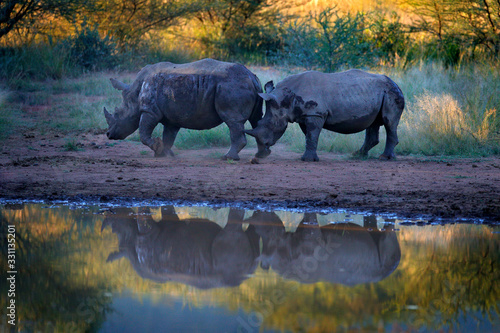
x=179, y=268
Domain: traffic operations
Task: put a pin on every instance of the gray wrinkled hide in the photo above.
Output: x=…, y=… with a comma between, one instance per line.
x=346, y=102
x=198, y=95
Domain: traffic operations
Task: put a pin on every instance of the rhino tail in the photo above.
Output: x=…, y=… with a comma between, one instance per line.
x=396, y=95
x=257, y=108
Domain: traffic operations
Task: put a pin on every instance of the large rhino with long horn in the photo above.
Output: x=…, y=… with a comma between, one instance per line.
x=346, y=102
x=198, y=95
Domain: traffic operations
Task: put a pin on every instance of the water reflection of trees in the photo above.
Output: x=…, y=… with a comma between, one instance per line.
x=443, y=273
x=50, y=295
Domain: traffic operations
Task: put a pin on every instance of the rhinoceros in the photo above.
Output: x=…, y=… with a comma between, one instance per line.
x=198, y=95
x=341, y=253
x=192, y=251
x=346, y=102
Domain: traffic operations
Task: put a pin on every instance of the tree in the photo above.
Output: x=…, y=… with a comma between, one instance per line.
x=237, y=26
x=129, y=20
x=459, y=24
x=26, y=13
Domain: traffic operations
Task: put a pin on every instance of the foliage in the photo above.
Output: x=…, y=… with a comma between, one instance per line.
x=232, y=29
x=130, y=21
x=457, y=29
x=39, y=61
x=89, y=50
x=28, y=15
x=333, y=40
x=388, y=35
x=327, y=42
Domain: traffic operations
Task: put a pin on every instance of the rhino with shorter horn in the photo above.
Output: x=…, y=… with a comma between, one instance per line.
x=198, y=95
x=346, y=102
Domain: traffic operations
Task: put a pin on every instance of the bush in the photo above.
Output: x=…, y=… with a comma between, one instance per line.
x=333, y=40
x=327, y=42
x=38, y=61
x=89, y=50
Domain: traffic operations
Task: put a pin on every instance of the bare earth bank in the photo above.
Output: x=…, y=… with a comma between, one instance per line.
x=39, y=168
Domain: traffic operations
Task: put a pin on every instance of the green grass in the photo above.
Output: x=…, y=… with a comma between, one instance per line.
x=7, y=115
x=72, y=145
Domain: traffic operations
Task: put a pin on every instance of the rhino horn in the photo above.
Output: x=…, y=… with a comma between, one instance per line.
x=251, y=132
x=119, y=85
x=267, y=96
x=109, y=117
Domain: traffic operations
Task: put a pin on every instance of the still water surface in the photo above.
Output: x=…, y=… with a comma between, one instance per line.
x=200, y=269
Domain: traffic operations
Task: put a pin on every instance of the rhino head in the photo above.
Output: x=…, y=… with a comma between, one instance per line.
x=126, y=118
x=274, y=123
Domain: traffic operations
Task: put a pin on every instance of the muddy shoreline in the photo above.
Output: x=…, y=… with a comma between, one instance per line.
x=437, y=188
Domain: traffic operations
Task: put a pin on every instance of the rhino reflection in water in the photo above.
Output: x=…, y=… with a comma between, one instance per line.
x=202, y=254
x=192, y=251
x=340, y=253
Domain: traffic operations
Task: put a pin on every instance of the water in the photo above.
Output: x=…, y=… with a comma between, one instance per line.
x=198, y=269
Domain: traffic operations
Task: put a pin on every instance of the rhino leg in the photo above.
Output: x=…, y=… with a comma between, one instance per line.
x=238, y=140
x=169, y=135
x=313, y=126
x=147, y=124
x=392, y=141
x=371, y=140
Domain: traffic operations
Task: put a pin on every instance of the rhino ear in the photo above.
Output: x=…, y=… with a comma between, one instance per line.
x=119, y=85
x=109, y=117
x=269, y=86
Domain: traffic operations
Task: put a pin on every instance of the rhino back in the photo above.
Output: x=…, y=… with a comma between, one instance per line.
x=191, y=95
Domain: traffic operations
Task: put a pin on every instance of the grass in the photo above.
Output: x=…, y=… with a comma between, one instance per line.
x=72, y=145
x=450, y=112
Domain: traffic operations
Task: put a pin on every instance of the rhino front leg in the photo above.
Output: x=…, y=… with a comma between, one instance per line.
x=147, y=124
x=313, y=126
x=238, y=141
x=169, y=135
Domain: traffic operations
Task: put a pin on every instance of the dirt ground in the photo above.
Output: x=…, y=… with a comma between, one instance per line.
x=39, y=167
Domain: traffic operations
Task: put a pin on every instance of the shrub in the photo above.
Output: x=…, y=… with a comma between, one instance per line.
x=38, y=61
x=328, y=42
x=89, y=50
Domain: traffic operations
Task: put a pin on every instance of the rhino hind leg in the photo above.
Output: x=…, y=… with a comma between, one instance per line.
x=392, y=141
x=371, y=140
x=238, y=141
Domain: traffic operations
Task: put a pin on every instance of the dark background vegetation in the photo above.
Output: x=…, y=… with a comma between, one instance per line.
x=53, y=38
